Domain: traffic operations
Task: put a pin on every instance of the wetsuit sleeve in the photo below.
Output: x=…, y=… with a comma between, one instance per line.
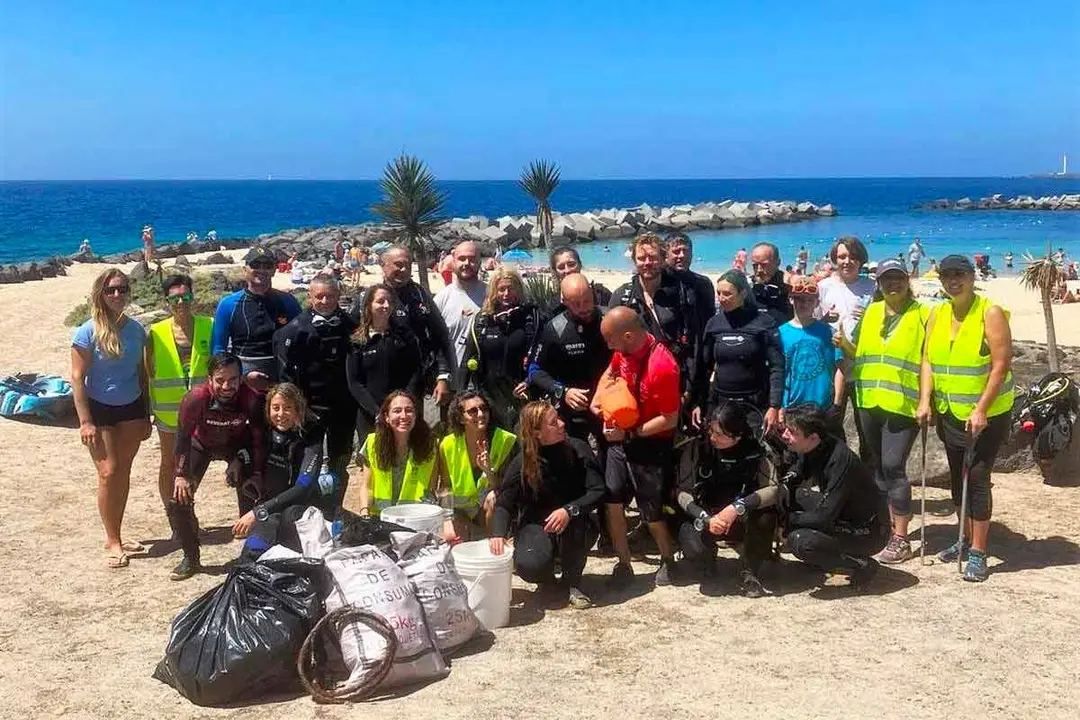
x=190, y=414
x=290, y=306
x=688, y=480
x=594, y=479
x=357, y=380
x=540, y=367
x=768, y=491
x=444, y=353
x=702, y=367
x=219, y=338
x=508, y=500
x=257, y=430
x=306, y=479
x=774, y=352
x=834, y=496
x=287, y=342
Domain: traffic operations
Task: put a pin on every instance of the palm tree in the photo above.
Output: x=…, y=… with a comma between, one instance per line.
x=1043, y=274
x=540, y=180
x=412, y=205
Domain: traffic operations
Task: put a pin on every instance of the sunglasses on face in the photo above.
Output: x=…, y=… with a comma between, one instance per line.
x=476, y=411
x=183, y=297
x=117, y=290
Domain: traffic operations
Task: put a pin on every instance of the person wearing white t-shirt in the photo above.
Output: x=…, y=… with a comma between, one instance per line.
x=844, y=296
x=459, y=301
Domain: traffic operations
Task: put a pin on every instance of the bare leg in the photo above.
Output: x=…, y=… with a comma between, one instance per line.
x=128, y=438
x=979, y=532
x=899, y=523
x=662, y=537
x=616, y=520
x=105, y=461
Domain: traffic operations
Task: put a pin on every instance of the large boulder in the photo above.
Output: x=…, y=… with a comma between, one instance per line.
x=141, y=271
x=29, y=271
x=495, y=234
x=9, y=275
x=826, y=210
x=216, y=259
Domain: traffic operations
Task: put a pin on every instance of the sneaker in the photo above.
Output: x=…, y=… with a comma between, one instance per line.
x=621, y=576
x=579, y=600
x=866, y=572
x=897, y=551
x=954, y=551
x=188, y=566
x=749, y=584
x=976, y=569
x=667, y=573
x=552, y=595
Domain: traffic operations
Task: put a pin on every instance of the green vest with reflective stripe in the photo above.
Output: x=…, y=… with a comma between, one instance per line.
x=960, y=369
x=886, y=372
x=455, y=455
x=414, y=485
x=168, y=383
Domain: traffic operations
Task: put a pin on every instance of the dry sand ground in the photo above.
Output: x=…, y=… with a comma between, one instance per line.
x=79, y=640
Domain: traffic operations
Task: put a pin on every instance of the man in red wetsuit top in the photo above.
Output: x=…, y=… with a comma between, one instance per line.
x=221, y=420
x=640, y=461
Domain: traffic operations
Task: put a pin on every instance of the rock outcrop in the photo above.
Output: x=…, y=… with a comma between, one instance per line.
x=999, y=202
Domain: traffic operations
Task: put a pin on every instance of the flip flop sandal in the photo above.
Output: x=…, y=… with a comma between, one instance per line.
x=134, y=548
x=115, y=562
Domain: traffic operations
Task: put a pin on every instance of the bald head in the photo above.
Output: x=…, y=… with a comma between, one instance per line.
x=623, y=330
x=577, y=296
x=466, y=261
x=396, y=266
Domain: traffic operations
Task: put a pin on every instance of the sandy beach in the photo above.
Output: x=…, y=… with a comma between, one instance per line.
x=79, y=640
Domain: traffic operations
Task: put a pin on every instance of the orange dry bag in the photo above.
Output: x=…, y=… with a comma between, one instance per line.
x=617, y=404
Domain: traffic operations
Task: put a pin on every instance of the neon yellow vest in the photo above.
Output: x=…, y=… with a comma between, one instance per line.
x=414, y=485
x=455, y=454
x=168, y=383
x=960, y=369
x=886, y=371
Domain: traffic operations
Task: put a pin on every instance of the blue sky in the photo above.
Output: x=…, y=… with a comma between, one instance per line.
x=625, y=89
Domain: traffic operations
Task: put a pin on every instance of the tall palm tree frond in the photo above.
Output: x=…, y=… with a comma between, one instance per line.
x=540, y=179
x=412, y=205
x=1043, y=275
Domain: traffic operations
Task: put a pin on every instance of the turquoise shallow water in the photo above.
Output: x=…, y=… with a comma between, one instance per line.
x=39, y=219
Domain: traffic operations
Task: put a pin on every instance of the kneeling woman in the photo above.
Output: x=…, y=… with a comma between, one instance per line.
x=398, y=460
x=547, y=494
x=729, y=488
x=473, y=457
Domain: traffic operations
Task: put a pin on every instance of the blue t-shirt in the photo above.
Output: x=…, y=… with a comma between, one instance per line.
x=811, y=361
x=113, y=381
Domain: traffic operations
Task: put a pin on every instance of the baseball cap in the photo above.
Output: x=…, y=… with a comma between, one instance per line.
x=259, y=254
x=890, y=265
x=955, y=263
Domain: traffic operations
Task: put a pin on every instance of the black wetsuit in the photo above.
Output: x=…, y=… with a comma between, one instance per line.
x=244, y=324
x=383, y=363
x=500, y=346
x=741, y=350
x=601, y=298
x=704, y=295
x=773, y=297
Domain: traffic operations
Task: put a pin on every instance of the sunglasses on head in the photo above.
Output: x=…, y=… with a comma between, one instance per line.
x=804, y=290
x=117, y=290
x=183, y=297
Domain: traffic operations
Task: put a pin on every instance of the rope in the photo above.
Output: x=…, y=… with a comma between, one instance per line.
x=335, y=622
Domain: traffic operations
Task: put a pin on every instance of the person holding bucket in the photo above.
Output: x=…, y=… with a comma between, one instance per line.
x=547, y=494
x=966, y=370
x=398, y=461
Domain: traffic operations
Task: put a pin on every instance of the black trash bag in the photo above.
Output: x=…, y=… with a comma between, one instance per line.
x=276, y=529
x=240, y=640
x=359, y=530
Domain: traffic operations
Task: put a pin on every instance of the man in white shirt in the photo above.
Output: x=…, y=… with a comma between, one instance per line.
x=844, y=296
x=915, y=256
x=459, y=301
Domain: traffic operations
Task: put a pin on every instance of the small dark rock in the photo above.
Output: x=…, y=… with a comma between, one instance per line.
x=182, y=261
x=216, y=259
x=29, y=271
x=141, y=271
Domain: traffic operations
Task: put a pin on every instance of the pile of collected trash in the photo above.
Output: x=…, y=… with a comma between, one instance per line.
x=345, y=609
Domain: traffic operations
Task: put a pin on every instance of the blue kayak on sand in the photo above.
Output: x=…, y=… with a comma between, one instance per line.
x=32, y=395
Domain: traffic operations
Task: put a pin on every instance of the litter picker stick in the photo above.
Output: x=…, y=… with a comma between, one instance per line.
x=922, y=528
x=968, y=452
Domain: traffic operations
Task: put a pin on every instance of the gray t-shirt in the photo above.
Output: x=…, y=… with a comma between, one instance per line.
x=458, y=304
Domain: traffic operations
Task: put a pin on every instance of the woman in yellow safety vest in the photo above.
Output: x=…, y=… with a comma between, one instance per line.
x=887, y=354
x=966, y=373
x=398, y=460
x=472, y=459
x=176, y=360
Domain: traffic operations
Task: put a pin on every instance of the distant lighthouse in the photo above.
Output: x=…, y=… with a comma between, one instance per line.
x=1064, y=164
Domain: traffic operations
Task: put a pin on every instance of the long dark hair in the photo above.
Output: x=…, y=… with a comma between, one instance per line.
x=421, y=439
x=455, y=416
x=360, y=335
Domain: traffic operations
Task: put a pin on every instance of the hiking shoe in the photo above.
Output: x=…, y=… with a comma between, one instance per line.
x=866, y=572
x=954, y=551
x=897, y=551
x=667, y=573
x=579, y=600
x=976, y=569
x=621, y=576
x=188, y=566
x=750, y=585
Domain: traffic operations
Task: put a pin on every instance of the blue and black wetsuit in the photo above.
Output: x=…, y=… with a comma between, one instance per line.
x=244, y=325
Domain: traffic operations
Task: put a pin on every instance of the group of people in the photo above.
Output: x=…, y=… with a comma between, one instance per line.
x=724, y=425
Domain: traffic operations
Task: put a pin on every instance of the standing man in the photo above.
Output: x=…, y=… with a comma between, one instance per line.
x=311, y=352
x=245, y=321
x=679, y=253
x=461, y=299
x=802, y=260
x=641, y=460
x=915, y=256
x=770, y=290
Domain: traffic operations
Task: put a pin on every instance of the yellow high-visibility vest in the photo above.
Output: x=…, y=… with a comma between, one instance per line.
x=414, y=484
x=168, y=381
x=886, y=369
x=455, y=455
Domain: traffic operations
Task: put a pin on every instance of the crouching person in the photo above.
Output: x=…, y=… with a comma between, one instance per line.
x=729, y=489
x=547, y=494
x=839, y=526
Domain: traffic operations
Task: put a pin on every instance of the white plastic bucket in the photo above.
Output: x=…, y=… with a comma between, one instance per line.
x=420, y=517
x=487, y=578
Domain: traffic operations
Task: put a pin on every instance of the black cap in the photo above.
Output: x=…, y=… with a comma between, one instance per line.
x=258, y=253
x=890, y=265
x=954, y=263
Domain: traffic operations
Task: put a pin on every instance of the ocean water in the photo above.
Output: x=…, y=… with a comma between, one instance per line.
x=40, y=219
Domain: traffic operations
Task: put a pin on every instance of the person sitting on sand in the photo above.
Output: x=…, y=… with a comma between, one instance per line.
x=108, y=382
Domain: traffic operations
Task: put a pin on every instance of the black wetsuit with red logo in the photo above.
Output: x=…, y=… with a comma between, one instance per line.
x=212, y=429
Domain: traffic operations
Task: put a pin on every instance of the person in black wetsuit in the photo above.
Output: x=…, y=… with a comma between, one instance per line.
x=311, y=352
x=741, y=350
x=679, y=254
x=498, y=346
x=384, y=356
x=771, y=293
x=544, y=501
x=566, y=261
x=842, y=524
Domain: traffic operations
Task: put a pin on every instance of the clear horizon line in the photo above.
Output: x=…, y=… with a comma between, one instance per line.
x=514, y=180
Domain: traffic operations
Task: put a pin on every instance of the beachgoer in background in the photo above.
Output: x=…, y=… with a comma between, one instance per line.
x=770, y=288
x=84, y=247
x=192, y=237
x=446, y=268
x=741, y=352
x=679, y=254
x=1009, y=260
x=384, y=356
x=148, y=244
x=177, y=356
x=245, y=321
x=311, y=354
x=108, y=382
x=211, y=237
x=339, y=250
x=398, y=459
x=546, y=496
x=802, y=260
x=566, y=261
x=640, y=460
x=887, y=354
x=810, y=359
x=498, y=346
x=933, y=265
x=460, y=300
x=966, y=370
x=219, y=420
x=739, y=263
x=728, y=489
x=842, y=524
x=915, y=256
x=843, y=298
x=1071, y=272
x=473, y=457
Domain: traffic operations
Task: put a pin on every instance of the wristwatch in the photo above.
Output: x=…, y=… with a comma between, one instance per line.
x=701, y=520
x=261, y=514
x=572, y=510
x=559, y=391
x=740, y=507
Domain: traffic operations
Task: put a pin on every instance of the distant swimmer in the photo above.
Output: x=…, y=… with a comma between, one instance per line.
x=607, y=249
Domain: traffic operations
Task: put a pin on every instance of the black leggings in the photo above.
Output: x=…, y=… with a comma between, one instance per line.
x=756, y=534
x=181, y=516
x=955, y=438
x=534, y=552
x=885, y=441
x=837, y=551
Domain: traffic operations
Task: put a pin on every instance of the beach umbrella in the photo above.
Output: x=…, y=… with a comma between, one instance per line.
x=517, y=255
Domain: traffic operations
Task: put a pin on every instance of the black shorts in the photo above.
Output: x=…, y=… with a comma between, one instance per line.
x=640, y=470
x=105, y=415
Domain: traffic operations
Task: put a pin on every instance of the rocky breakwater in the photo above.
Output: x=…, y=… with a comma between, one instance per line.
x=1000, y=202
